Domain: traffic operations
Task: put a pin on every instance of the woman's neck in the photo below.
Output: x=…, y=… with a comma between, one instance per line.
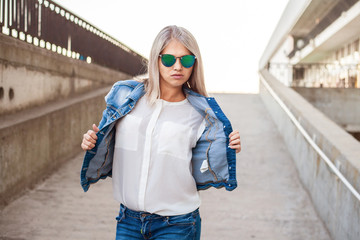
x=172, y=94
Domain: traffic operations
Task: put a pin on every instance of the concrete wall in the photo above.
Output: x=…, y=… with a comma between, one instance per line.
x=336, y=205
x=35, y=142
x=31, y=76
x=47, y=102
x=342, y=105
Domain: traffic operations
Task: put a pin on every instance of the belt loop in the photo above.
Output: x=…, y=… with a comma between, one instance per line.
x=195, y=212
x=122, y=208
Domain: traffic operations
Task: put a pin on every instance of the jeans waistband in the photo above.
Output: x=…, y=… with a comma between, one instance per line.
x=141, y=214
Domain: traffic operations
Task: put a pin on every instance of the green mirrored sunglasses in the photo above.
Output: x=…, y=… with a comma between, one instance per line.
x=168, y=60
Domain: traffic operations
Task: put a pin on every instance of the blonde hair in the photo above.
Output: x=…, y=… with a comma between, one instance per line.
x=196, y=81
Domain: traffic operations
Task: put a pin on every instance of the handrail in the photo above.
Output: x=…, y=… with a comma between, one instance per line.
x=310, y=141
x=46, y=24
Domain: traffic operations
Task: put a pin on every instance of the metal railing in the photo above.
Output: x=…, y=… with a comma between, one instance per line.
x=334, y=75
x=312, y=143
x=48, y=25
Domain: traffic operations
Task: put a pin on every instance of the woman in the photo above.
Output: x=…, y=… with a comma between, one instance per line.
x=162, y=140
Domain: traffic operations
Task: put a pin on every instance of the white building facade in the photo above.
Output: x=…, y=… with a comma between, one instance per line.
x=316, y=44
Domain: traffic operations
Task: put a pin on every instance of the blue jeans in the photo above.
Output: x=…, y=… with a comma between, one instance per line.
x=143, y=225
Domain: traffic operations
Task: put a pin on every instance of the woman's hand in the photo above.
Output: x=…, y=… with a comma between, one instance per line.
x=234, y=142
x=89, y=138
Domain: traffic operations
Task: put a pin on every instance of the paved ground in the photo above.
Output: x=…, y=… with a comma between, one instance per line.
x=269, y=203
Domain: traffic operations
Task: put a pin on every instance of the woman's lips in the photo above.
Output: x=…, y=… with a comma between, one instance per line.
x=177, y=76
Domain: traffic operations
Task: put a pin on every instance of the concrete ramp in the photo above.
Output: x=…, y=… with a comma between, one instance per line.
x=269, y=203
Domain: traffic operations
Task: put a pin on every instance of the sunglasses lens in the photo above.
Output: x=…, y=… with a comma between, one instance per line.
x=188, y=61
x=168, y=60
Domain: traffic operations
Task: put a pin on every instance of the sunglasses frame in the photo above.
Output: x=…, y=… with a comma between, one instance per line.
x=177, y=58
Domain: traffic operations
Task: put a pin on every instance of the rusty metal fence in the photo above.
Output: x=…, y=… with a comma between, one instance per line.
x=48, y=25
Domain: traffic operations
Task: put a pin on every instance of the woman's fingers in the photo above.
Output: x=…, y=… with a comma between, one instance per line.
x=89, y=138
x=92, y=134
x=86, y=145
x=236, y=147
x=95, y=128
x=234, y=142
x=234, y=135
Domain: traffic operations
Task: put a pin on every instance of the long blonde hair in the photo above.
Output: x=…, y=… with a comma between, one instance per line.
x=196, y=81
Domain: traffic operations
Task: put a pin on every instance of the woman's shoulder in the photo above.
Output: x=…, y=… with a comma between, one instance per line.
x=126, y=85
x=129, y=83
x=121, y=89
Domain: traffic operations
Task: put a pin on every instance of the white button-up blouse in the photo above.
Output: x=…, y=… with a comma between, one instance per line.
x=152, y=157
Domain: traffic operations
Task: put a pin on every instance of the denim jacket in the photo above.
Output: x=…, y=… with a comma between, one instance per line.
x=211, y=147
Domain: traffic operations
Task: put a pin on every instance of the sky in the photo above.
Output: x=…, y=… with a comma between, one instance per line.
x=232, y=34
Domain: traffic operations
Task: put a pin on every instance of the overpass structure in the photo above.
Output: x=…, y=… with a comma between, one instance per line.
x=297, y=172
x=310, y=83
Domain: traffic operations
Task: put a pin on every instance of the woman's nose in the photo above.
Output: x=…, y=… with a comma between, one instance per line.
x=177, y=65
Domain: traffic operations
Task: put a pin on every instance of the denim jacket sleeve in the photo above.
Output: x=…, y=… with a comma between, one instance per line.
x=116, y=99
x=97, y=163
